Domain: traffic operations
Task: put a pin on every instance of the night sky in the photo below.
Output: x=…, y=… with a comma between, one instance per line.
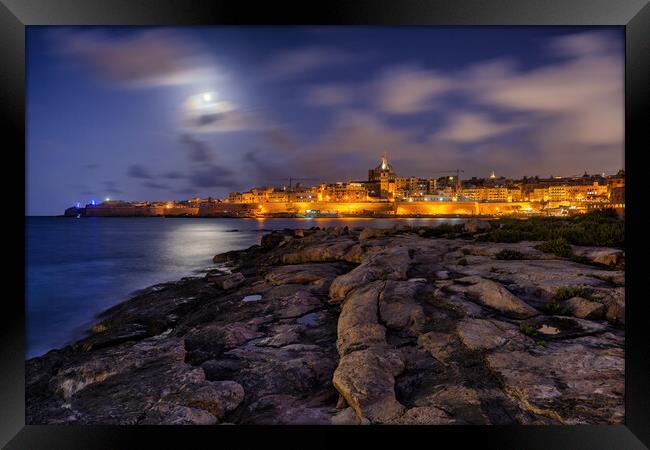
x=136, y=113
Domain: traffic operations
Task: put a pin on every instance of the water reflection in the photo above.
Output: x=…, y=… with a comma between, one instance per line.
x=78, y=268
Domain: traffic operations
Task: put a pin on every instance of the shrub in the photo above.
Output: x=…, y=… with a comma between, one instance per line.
x=595, y=228
x=556, y=309
x=467, y=251
x=600, y=214
x=565, y=293
x=462, y=262
x=507, y=254
x=442, y=229
x=582, y=260
x=558, y=247
x=528, y=329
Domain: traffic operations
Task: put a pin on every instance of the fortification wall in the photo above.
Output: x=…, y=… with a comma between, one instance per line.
x=124, y=211
x=226, y=209
x=359, y=208
x=399, y=208
x=502, y=207
x=437, y=208
x=140, y=211
x=341, y=208
x=181, y=211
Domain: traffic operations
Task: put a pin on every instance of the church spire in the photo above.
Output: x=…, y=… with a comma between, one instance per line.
x=384, y=160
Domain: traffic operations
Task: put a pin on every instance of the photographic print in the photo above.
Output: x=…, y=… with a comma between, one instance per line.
x=325, y=225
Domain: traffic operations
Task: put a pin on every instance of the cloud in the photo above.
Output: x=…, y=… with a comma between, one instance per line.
x=265, y=167
x=92, y=166
x=329, y=95
x=407, y=89
x=355, y=129
x=111, y=188
x=186, y=191
x=582, y=44
x=472, y=127
x=197, y=150
x=566, y=113
x=203, y=113
x=154, y=185
x=154, y=57
x=299, y=61
x=138, y=171
x=212, y=175
x=346, y=150
x=173, y=175
x=579, y=100
x=281, y=138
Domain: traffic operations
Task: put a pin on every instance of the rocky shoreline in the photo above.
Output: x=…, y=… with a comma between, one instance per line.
x=339, y=326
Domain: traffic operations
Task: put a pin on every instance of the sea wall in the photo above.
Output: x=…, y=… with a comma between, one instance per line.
x=123, y=211
x=341, y=208
x=226, y=209
x=398, y=208
x=143, y=211
x=361, y=208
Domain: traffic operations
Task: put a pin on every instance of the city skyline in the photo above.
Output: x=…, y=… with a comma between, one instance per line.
x=386, y=193
x=451, y=178
x=162, y=113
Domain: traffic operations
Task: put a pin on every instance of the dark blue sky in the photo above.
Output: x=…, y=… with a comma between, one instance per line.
x=170, y=113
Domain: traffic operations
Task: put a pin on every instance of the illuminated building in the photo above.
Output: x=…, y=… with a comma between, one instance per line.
x=381, y=179
x=491, y=193
x=387, y=194
x=278, y=196
x=557, y=193
x=412, y=187
x=343, y=192
x=300, y=194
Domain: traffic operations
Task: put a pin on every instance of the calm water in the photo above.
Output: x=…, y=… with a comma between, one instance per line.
x=77, y=268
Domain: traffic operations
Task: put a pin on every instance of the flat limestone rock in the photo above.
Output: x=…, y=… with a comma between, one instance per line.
x=398, y=308
x=366, y=379
x=495, y=296
x=383, y=328
x=585, y=309
x=389, y=264
x=479, y=334
x=302, y=274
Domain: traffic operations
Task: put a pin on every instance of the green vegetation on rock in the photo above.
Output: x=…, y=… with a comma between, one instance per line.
x=556, y=309
x=558, y=247
x=565, y=293
x=528, y=330
x=507, y=254
x=595, y=228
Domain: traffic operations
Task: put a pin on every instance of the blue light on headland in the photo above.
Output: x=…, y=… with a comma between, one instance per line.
x=78, y=205
x=92, y=202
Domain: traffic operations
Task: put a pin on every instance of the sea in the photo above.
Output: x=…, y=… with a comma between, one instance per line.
x=76, y=268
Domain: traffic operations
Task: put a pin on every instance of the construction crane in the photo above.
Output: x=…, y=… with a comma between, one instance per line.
x=457, y=172
x=292, y=179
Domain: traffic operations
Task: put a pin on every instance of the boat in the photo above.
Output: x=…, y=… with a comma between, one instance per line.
x=315, y=213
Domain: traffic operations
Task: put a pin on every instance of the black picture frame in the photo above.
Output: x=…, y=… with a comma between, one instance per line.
x=634, y=15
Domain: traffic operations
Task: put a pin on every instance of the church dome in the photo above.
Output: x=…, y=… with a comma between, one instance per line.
x=384, y=165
